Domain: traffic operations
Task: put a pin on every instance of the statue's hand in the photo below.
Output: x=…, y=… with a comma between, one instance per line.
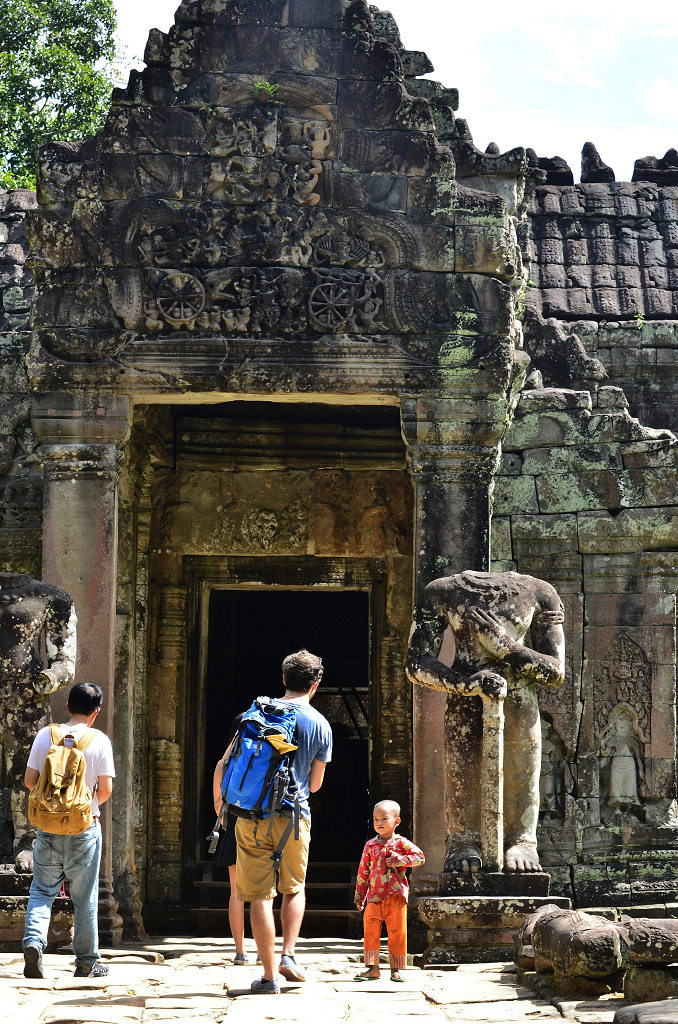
x=46, y=682
x=488, y=684
x=489, y=632
x=23, y=863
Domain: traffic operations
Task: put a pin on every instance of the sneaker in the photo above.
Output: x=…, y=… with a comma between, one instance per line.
x=240, y=959
x=289, y=968
x=97, y=970
x=262, y=987
x=33, y=962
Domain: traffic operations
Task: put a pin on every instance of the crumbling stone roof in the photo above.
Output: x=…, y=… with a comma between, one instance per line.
x=604, y=251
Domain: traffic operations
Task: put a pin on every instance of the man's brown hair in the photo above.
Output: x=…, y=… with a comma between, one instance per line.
x=300, y=670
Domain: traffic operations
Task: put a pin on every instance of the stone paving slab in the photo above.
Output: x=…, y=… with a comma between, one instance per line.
x=502, y=1013
x=193, y=981
x=590, y=1011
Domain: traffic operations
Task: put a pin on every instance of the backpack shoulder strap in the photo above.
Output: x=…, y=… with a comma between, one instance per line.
x=55, y=735
x=85, y=740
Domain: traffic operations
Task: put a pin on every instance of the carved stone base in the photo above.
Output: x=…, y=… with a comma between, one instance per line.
x=13, y=904
x=494, y=883
x=470, y=929
x=110, y=921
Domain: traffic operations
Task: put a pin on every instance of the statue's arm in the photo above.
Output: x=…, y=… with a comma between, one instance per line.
x=424, y=667
x=544, y=663
x=61, y=643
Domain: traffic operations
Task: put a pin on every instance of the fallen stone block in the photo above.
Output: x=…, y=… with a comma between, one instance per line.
x=665, y=1012
x=586, y=954
x=653, y=941
x=645, y=984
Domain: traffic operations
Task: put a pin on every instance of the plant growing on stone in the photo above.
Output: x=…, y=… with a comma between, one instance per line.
x=55, y=77
x=266, y=92
x=640, y=320
x=520, y=296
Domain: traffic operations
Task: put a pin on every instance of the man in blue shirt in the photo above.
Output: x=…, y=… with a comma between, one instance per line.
x=255, y=874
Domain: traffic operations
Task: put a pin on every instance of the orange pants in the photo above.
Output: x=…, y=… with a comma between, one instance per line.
x=393, y=913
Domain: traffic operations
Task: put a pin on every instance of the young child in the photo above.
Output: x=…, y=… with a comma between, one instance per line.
x=382, y=888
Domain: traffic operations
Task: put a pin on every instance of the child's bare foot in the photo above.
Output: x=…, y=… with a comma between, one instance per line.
x=371, y=974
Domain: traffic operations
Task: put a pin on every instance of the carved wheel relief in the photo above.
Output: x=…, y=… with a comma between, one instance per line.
x=324, y=278
x=256, y=254
x=180, y=298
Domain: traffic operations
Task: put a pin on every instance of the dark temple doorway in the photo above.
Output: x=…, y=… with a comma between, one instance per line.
x=250, y=632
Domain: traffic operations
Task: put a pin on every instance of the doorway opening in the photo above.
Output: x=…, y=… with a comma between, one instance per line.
x=249, y=634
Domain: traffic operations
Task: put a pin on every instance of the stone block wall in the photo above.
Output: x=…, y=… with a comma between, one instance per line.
x=583, y=499
x=20, y=474
x=604, y=262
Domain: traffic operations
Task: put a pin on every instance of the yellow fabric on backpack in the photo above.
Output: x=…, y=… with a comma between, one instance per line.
x=61, y=801
x=280, y=743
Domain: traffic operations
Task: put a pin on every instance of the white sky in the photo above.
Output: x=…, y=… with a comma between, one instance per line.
x=604, y=71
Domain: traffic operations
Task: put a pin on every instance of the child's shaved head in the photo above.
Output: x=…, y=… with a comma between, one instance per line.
x=389, y=806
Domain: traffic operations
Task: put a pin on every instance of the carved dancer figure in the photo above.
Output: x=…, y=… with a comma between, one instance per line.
x=29, y=611
x=623, y=760
x=489, y=615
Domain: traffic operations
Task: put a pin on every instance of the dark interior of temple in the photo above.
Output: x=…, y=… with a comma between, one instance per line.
x=250, y=632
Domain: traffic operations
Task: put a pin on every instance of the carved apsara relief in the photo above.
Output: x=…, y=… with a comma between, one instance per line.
x=556, y=780
x=622, y=748
x=624, y=677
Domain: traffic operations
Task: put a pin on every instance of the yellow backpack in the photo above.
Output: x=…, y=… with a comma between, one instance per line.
x=60, y=802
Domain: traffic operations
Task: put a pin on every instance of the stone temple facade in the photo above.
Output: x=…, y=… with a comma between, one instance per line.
x=278, y=347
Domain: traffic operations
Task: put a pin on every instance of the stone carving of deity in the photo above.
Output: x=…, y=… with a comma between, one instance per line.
x=623, y=760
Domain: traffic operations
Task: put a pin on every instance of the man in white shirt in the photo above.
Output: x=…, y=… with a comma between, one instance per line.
x=76, y=858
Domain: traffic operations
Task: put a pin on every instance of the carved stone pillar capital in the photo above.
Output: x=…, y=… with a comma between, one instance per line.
x=474, y=465
x=64, y=461
x=81, y=421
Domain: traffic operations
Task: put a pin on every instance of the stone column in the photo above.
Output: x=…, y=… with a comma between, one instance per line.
x=452, y=455
x=80, y=438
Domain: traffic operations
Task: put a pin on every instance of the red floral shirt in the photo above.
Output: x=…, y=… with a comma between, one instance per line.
x=376, y=881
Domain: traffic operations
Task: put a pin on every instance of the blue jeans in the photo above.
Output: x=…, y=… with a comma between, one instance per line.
x=76, y=858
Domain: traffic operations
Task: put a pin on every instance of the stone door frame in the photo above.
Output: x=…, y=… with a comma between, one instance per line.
x=204, y=573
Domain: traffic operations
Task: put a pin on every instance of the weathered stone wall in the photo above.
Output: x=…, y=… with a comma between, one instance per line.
x=585, y=498
x=341, y=236
x=20, y=475
x=604, y=262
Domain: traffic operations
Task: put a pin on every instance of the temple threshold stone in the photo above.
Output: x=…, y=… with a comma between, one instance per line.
x=469, y=929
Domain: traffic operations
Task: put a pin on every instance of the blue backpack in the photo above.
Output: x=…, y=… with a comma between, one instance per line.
x=258, y=778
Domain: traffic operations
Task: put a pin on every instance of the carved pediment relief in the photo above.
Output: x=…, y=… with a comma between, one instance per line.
x=277, y=267
x=267, y=176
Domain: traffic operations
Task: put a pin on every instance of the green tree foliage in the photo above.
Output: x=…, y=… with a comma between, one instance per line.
x=55, y=77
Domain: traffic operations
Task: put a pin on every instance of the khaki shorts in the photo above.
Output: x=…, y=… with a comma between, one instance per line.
x=255, y=873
